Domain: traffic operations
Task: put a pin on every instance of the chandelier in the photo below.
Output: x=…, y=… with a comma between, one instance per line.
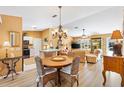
x=60, y=33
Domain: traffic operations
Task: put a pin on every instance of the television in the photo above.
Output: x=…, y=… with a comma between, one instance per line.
x=75, y=46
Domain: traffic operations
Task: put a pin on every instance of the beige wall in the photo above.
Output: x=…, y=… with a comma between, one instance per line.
x=47, y=34
x=10, y=23
x=34, y=34
x=38, y=34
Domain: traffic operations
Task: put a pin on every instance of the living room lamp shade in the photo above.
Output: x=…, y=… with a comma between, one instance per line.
x=6, y=44
x=116, y=35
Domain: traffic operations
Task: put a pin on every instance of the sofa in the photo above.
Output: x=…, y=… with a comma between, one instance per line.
x=94, y=57
x=81, y=53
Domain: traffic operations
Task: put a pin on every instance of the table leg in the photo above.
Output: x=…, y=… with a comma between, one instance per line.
x=122, y=82
x=104, y=76
x=58, y=78
x=9, y=70
x=14, y=69
x=7, y=74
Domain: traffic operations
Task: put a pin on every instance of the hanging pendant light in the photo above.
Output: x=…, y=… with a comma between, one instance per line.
x=59, y=33
x=84, y=36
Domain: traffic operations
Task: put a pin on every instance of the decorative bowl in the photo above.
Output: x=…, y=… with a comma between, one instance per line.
x=58, y=58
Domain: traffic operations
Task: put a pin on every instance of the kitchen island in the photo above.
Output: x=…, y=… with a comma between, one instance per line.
x=49, y=52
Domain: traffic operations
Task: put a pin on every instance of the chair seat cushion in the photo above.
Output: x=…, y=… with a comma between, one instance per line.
x=49, y=70
x=67, y=69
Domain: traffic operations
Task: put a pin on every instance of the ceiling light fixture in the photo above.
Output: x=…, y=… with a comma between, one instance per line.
x=75, y=27
x=60, y=33
x=84, y=36
x=54, y=16
x=34, y=27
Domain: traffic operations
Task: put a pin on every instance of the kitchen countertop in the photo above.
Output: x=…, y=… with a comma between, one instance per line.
x=50, y=50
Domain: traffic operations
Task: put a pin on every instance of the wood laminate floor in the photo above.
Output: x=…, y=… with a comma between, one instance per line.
x=90, y=76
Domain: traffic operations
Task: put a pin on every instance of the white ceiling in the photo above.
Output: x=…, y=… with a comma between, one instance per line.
x=99, y=23
x=41, y=16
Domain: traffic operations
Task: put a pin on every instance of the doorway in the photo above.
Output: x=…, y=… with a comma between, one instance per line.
x=34, y=48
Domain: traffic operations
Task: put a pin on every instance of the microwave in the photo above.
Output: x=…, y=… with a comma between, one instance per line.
x=26, y=42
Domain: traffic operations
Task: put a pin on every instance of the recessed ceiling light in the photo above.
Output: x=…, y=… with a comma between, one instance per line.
x=34, y=27
x=54, y=16
x=76, y=27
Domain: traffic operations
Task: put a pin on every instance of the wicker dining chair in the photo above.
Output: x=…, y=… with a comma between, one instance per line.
x=2, y=66
x=70, y=54
x=72, y=72
x=44, y=75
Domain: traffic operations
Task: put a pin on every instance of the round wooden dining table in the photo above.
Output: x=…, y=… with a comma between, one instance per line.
x=48, y=62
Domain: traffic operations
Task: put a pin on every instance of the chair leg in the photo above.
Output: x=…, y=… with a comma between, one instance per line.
x=55, y=82
x=43, y=85
x=77, y=80
x=72, y=82
x=37, y=84
x=52, y=83
x=77, y=83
